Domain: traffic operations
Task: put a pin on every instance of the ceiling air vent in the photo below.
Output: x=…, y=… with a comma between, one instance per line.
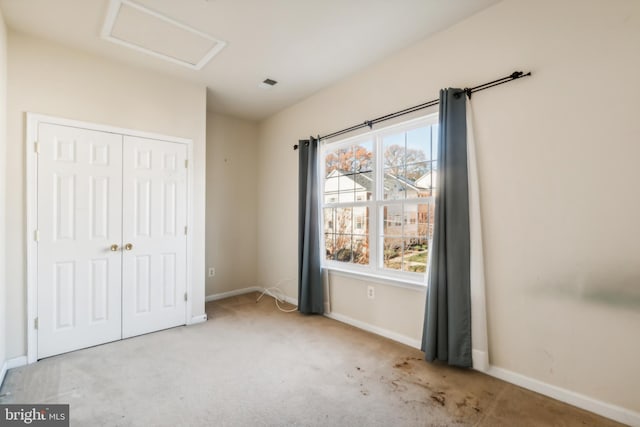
x=268, y=83
x=134, y=26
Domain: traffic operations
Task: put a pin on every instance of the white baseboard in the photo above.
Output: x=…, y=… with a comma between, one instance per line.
x=292, y=301
x=480, y=360
x=198, y=319
x=16, y=362
x=235, y=292
x=375, y=330
x=3, y=372
x=279, y=295
x=587, y=403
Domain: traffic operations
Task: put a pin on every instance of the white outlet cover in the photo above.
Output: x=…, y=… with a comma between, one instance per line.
x=371, y=292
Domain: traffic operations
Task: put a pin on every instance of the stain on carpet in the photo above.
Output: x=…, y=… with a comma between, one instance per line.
x=470, y=402
x=439, y=396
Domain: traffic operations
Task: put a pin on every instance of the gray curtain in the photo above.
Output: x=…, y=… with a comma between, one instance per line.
x=310, y=287
x=447, y=323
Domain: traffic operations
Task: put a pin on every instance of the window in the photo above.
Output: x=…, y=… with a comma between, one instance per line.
x=378, y=200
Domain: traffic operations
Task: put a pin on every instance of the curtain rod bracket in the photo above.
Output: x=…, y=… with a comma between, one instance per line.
x=304, y=141
x=369, y=123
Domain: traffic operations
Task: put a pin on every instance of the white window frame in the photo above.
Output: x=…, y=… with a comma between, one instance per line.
x=375, y=269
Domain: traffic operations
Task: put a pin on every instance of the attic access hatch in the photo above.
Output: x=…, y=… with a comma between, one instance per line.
x=136, y=27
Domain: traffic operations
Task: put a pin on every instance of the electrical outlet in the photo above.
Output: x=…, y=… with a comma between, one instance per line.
x=212, y=271
x=371, y=292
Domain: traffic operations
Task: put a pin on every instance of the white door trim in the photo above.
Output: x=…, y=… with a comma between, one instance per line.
x=33, y=120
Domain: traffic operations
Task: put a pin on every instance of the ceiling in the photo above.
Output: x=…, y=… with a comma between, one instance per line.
x=305, y=45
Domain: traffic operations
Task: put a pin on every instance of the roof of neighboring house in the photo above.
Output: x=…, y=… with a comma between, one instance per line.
x=390, y=179
x=428, y=180
x=366, y=182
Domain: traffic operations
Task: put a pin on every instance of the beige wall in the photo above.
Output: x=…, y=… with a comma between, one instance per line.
x=558, y=155
x=347, y=297
x=3, y=150
x=231, y=203
x=50, y=79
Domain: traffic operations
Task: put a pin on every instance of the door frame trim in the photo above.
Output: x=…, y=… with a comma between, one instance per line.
x=33, y=120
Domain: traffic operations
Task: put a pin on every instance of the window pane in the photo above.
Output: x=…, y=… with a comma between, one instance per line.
x=363, y=157
x=410, y=219
x=347, y=186
x=393, y=153
x=405, y=228
x=416, y=171
x=360, y=220
x=331, y=190
x=338, y=186
x=426, y=183
x=395, y=188
x=435, y=129
x=329, y=220
x=364, y=186
x=415, y=254
x=418, y=145
x=425, y=216
x=430, y=217
x=392, y=253
x=343, y=247
x=349, y=174
x=330, y=246
x=361, y=235
x=343, y=221
x=361, y=249
x=338, y=160
x=392, y=220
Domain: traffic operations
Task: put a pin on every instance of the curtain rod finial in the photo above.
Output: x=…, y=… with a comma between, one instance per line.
x=518, y=74
x=295, y=147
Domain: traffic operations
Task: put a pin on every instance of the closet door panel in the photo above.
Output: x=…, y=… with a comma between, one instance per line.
x=154, y=221
x=79, y=219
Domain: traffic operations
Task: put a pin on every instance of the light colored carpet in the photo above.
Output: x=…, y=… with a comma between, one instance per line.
x=252, y=365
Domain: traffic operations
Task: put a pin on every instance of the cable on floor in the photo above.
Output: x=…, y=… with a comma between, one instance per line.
x=278, y=296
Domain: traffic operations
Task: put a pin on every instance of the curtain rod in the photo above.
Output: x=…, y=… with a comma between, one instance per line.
x=468, y=91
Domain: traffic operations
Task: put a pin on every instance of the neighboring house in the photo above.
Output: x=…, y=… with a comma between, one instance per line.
x=427, y=182
x=345, y=187
x=348, y=187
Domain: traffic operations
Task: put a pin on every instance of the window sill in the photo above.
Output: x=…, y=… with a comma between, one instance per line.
x=372, y=277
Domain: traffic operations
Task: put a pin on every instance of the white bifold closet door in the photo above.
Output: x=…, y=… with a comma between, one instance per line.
x=79, y=218
x=154, y=217
x=111, y=245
